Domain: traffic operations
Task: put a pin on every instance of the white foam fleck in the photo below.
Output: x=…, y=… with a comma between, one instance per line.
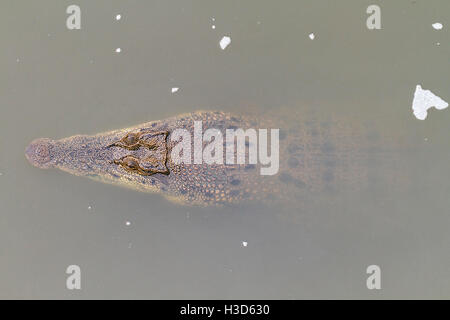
x=424, y=100
x=437, y=26
x=244, y=243
x=118, y=50
x=312, y=36
x=213, y=26
x=175, y=89
x=128, y=223
x=118, y=17
x=224, y=42
x=89, y=208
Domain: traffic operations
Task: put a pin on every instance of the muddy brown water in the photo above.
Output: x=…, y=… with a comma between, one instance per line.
x=56, y=83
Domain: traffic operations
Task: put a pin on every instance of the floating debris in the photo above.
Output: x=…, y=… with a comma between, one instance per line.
x=128, y=223
x=175, y=89
x=437, y=26
x=244, y=243
x=225, y=42
x=118, y=17
x=424, y=100
x=312, y=36
x=118, y=50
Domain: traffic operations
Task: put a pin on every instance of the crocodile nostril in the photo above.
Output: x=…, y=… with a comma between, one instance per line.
x=39, y=153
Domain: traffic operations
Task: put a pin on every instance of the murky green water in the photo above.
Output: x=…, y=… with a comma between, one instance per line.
x=57, y=82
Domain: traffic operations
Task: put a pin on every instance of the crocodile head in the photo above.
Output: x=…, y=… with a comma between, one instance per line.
x=121, y=157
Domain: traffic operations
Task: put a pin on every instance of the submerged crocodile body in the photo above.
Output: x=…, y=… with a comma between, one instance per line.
x=313, y=156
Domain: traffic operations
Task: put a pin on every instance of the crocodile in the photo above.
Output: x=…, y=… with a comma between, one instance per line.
x=314, y=155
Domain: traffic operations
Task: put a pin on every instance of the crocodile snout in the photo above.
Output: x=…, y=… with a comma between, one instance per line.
x=39, y=153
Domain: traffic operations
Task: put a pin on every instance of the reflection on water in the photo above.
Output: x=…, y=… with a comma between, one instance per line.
x=346, y=90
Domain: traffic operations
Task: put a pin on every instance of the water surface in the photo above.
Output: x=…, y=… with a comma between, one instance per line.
x=57, y=83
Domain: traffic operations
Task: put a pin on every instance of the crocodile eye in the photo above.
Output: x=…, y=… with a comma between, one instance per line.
x=130, y=163
x=131, y=139
x=131, y=142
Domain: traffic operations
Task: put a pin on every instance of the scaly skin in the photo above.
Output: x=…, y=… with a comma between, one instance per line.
x=313, y=156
